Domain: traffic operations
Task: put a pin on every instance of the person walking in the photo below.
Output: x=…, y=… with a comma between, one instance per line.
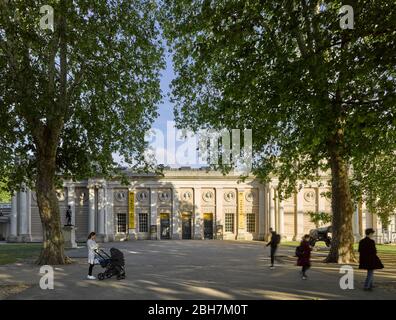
x=92, y=246
x=303, y=253
x=274, y=242
x=368, y=258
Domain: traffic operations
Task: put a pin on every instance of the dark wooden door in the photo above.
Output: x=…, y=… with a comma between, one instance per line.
x=186, y=226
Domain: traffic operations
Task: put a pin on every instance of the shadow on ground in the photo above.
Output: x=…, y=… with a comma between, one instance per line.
x=197, y=270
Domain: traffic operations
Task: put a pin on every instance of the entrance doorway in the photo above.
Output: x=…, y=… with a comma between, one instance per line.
x=165, y=226
x=208, y=225
x=186, y=225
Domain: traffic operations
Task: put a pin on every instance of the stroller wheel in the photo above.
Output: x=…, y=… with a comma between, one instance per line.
x=108, y=275
x=101, y=276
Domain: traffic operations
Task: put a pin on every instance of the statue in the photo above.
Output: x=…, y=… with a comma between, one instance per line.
x=68, y=216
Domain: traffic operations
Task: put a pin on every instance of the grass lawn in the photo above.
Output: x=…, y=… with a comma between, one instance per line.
x=13, y=252
x=297, y=243
x=381, y=248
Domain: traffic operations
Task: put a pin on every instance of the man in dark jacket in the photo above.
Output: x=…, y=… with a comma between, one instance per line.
x=274, y=242
x=368, y=258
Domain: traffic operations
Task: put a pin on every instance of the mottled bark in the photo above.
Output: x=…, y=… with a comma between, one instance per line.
x=53, y=244
x=47, y=145
x=341, y=250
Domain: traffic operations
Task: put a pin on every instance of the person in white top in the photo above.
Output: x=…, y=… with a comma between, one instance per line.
x=92, y=246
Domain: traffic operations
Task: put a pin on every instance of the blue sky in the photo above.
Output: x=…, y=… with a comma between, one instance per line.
x=183, y=152
x=166, y=108
x=165, y=143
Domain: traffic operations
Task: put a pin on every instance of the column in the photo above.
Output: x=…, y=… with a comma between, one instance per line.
x=355, y=222
x=176, y=216
x=361, y=232
x=23, y=216
x=91, y=209
x=132, y=232
x=369, y=217
x=101, y=214
x=378, y=230
x=393, y=234
x=71, y=203
x=219, y=211
x=29, y=213
x=109, y=226
x=69, y=232
x=276, y=205
x=281, y=219
x=266, y=212
x=299, y=216
x=271, y=208
x=241, y=215
x=261, y=220
x=155, y=235
x=320, y=201
x=13, y=219
x=198, y=221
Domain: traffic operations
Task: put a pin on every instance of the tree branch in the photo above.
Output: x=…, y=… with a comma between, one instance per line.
x=63, y=58
x=51, y=62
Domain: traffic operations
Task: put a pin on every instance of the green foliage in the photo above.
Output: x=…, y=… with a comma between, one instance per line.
x=319, y=217
x=374, y=181
x=288, y=71
x=5, y=195
x=91, y=87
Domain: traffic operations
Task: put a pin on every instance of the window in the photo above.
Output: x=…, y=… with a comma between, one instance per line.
x=143, y=222
x=229, y=222
x=121, y=222
x=251, y=222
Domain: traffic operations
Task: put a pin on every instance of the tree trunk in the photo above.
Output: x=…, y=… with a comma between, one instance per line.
x=53, y=244
x=341, y=250
x=47, y=145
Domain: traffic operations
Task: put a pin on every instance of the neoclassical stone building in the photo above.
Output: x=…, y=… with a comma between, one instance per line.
x=182, y=204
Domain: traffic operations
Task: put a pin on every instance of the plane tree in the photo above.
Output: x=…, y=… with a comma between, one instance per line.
x=315, y=83
x=73, y=93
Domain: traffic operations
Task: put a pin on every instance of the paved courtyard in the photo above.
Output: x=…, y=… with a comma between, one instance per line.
x=196, y=270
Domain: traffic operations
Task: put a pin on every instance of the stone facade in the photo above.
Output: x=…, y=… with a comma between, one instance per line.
x=5, y=215
x=181, y=204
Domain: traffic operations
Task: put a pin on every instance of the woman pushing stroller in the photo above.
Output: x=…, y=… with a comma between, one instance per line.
x=113, y=265
x=92, y=247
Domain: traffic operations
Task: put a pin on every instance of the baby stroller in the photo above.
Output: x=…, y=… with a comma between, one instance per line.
x=113, y=264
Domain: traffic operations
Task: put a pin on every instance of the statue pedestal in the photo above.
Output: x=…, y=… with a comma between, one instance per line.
x=242, y=235
x=153, y=232
x=132, y=234
x=69, y=235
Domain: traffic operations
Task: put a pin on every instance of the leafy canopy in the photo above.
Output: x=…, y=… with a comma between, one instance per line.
x=319, y=217
x=113, y=58
x=288, y=71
